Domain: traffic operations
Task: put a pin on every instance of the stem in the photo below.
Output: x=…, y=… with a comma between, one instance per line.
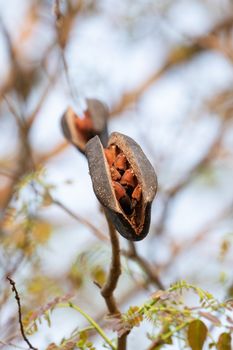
x=112, y=280
x=81, y=220
x=114, y=272
x=152, y=276
x=90, y=320
x=162, y=337
x=122, y=342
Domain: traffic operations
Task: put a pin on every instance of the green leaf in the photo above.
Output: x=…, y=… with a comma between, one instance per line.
x=224, y=342
x=197, y=333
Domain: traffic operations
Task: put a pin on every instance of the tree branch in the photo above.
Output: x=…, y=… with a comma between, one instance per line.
x=177, y=56
x=143, y=263
x=83, y=221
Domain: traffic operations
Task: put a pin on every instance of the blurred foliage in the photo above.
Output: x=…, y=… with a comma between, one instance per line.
x=44, y=58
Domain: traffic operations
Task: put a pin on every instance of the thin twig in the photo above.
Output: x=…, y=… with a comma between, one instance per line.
x=90, y=321
x=81, y=220
x=190, y=50
x=7, y=173
x=175, y=190
x=45, y=157
x=17, y=298
x=50, y=86
x=57, y=10
x=13, y=111
x=143, y=263
x=178, y=249
x=12, y=345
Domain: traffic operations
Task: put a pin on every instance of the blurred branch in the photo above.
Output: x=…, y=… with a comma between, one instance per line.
x=65, y=21
x=64, y=24
x=17, y=298
x=81, y=220
x=13, y=111
x=12, y=345
x=50, y=84
x=177, y=249
x=43, y=158
x=144, y=264
x=8, y=40
x=189, y=176
x=57, y=10
x=177, y=56
x=7, y=173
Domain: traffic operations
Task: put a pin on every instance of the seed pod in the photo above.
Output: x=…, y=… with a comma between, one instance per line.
x=128, y=207
x=79, y=131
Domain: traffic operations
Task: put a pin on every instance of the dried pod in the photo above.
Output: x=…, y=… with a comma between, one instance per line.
x=128, y=203
x=79, y=131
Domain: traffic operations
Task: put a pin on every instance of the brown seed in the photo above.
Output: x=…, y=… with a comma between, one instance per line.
x=137, y=193
x=128, y=178
x=84, y=124
x=115, y=174
x=121, y=162
x=110, y=154
x=119, y=190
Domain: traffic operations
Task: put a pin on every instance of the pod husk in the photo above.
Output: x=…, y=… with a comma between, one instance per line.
x=103, y=188
x=98, y=113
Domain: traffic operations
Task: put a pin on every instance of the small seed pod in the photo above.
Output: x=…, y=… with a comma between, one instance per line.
x=79, y=131
x=127, y=202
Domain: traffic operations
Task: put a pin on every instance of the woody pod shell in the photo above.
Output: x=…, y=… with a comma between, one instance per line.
x=98, y=113
x=103, y=188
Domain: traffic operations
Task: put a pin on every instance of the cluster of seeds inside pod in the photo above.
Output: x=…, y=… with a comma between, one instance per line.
x=85, y=127
x=128, y=191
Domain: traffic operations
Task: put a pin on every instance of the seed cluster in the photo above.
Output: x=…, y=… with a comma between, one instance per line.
x=125, y=183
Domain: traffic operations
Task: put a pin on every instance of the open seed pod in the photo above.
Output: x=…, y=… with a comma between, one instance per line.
x=124, y=182
x=79, y=131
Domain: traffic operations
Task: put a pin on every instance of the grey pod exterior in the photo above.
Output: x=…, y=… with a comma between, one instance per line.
x=103, y=188
x=99, y=114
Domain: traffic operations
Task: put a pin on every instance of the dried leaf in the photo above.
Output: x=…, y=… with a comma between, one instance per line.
x=224, y=342
x=197, y=333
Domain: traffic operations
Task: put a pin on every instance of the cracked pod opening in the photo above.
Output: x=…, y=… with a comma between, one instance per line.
x=79, y=130
x=125, y=183
x=127, y=187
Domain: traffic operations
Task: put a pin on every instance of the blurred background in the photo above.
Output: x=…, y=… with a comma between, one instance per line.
x=165, y=69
